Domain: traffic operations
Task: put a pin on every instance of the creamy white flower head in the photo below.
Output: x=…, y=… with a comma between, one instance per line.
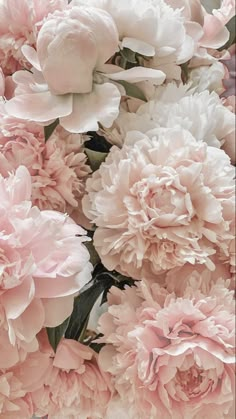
x=67, y=80
x=202, y=114
x=149, y=27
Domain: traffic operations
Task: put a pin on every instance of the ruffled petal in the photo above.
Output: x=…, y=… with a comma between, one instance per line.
x=101, y=105
x=39, y=107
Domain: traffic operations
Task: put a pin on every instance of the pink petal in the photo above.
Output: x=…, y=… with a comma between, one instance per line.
x=31, y=55
x=31, y=321
x=57, y=310
x=17, y=299
x=136, y=74
x=71, y=354
x=40, y=107
x=101, y=105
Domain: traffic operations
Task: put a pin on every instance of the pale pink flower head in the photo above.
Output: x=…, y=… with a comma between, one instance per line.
x=18, y=382
x=14, y=402
x=43, y=264
x=162, y=201
x=19, y=25
x=75, y=386
x=168, y=354
x=57, y=167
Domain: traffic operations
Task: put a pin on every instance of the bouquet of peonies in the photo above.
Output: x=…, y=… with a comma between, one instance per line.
x=117, y=219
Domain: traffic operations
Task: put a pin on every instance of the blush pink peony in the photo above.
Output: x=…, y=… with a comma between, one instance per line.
x=43, y=264
x=162, y=201
x=19, y=25
x=17, y=384
x=58, y=167
x=74, y=386
x=168, y=354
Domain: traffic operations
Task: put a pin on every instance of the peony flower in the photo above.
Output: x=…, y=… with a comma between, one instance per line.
x=19, y=25
x=74, y=44
x=142, y=27
x=170, y=354
x=43, y=264
x=18, y=382
x=202, y=114
x=162, y=201
x=75, y=385
x=14, y=403
x=58, y=167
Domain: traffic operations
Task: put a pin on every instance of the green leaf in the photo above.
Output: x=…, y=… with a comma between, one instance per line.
x=56, y=333
x=48, y=130
x=95, y=158
x=129, y=55
x=94, y=258
x=83, y=304
x=82, y=307
x=132, y=90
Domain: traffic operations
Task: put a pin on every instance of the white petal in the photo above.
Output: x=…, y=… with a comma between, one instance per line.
x=138, y=46
x=101, y=105
x=136, y=74
x=40, y=107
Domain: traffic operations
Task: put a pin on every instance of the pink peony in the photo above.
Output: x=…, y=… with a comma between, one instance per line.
x=43, y=264
x=18, y=382
x=19, y=25
x=58, y=167
x=74, y=44
x=75, y=386
x=168, y=354
x=14, y=402
x=161, y=201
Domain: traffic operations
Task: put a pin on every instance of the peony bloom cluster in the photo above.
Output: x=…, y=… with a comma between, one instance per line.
x=119, y=117
x=162, y=201
x=169, y=353
x=43, y=264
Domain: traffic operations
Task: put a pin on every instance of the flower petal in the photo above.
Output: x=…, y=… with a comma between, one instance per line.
x=39, y=107
x=136, y=74
x=57, y=310
x=31, y=55
x=139, y=46
x=101, y=105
